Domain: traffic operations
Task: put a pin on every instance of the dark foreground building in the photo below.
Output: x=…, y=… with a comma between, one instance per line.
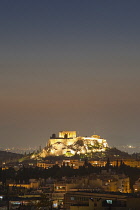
x=97, y=201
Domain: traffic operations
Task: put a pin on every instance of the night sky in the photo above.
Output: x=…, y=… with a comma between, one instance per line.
x=69, y=65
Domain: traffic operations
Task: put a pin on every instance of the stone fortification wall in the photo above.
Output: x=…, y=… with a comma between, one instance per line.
x=69, y=138
x=64, y=141
x=71, y=141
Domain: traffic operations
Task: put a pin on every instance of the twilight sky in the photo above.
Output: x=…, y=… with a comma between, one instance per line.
x=69, y=65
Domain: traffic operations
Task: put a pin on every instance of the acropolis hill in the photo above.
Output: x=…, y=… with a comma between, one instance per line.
x=67, y=143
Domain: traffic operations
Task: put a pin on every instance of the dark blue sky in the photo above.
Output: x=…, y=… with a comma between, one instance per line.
x=69, y=65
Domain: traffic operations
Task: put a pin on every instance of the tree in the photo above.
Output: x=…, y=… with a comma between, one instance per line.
x=44, y=202
x=107, y=164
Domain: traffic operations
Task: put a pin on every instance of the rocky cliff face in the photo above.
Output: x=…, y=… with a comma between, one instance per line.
x=80, y=146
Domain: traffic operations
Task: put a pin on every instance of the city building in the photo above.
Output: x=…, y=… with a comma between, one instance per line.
x=136, y=186
x=100, y=201
x=33, y=184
